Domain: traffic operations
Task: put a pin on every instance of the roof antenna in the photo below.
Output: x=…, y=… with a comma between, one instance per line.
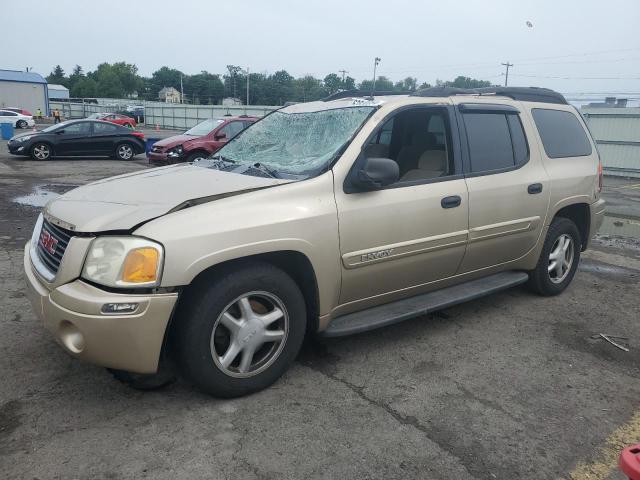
x=373, y=85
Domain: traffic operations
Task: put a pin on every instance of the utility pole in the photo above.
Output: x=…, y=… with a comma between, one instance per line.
x=343, y=72
x=506, y=75
x=247, y=85
x=181, y=90
x=375, y=65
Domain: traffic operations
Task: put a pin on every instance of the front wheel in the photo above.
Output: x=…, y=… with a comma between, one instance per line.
x=22, y=124
x=124, y=151
x=41, y=151
x=558, y=260
x=241, y=332
x=196, y=157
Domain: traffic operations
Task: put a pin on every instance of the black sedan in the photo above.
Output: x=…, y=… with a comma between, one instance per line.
x=79, y=138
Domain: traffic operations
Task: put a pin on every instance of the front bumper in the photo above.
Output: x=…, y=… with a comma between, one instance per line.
x=163, y=158
x=72, y=313
x=17, y=148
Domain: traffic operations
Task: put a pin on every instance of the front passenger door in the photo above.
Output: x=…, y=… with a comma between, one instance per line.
x=74, y=139
x=394, y=242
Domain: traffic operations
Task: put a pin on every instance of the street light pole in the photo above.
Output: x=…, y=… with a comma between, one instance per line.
x=247, y=85
x=375, y=65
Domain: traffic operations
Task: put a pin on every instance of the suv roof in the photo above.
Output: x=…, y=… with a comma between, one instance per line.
x=526, y=94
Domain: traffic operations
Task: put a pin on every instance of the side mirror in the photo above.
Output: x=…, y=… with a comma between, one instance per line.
x=376, y=173
x=220, y=136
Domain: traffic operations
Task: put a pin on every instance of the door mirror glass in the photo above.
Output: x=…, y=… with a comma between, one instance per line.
x=220, y=136
x=376, y=173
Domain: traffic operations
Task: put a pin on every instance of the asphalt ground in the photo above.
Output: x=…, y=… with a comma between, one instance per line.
x=509, y=386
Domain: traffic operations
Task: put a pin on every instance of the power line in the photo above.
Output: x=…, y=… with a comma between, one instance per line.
x=575, y=78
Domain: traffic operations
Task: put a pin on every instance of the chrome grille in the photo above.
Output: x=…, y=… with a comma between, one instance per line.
x=52, y=243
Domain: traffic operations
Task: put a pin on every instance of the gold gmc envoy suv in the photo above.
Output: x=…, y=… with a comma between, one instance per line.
x=330, y=217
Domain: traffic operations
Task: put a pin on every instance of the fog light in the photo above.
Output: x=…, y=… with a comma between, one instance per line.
x=71, y=337
x=119, y=308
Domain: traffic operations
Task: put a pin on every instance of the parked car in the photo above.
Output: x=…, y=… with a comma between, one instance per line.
x=17, y=119
x=198, y=142
x=21, y=111
x=116, y=118
x=79, y=138
x=331, y=217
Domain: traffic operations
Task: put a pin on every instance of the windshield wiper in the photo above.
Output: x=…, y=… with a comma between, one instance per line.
x=263, y=168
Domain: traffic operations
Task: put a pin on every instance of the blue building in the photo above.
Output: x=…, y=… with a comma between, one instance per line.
x=26, y=90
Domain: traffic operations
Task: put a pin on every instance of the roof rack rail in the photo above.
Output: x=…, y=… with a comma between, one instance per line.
x=526, y=94
x=361, y=93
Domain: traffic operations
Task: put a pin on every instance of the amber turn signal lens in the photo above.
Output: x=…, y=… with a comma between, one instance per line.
x=141, y=265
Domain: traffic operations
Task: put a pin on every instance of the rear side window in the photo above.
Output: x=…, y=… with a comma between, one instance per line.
x=496, y=141
x=561, y=133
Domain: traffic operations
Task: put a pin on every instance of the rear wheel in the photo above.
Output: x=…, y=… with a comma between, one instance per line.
x=239, y=334
x=558, y=260
x=41, y=151
x=124, y=151
x=22, y=124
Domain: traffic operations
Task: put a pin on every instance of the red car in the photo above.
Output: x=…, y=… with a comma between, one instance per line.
x=115, y=118
x=21, y=111
x=198, y=142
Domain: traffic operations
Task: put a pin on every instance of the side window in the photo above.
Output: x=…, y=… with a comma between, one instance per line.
x=232, y=129
x=561, y=133
x=104, y=128
x=419, y=140
x=496, y=141
x=78, y=128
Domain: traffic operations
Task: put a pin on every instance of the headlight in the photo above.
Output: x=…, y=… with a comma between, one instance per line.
x=175, y=151
x=124, y=262
x=24, y=138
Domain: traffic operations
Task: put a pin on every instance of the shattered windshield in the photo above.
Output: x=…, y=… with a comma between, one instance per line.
x=299, y=144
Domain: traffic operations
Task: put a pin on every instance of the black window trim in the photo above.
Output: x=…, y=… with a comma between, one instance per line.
x=464, y=141
x=582, y=124
x=458, y=165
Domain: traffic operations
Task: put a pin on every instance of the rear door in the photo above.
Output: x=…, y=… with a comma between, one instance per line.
x=74, y=140
x=104, y=138
x=507, y=183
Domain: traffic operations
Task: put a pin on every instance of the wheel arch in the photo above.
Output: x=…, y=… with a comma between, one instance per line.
x=580, y=214
x=47, y=143
x=294, y=263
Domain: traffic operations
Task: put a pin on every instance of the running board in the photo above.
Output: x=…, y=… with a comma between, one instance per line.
x=400, y=310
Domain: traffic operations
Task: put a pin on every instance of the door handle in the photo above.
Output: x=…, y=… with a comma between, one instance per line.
x=534, y=188
x=451, y=202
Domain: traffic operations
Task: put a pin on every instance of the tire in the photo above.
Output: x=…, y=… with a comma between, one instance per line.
x=41, y=151
x=124, y=151
x=144, y=382
x=21, y=124
x=549, y=278
x=204, y=344
x=196, y=155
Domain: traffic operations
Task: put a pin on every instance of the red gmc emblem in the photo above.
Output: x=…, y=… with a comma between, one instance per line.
x=48, y=242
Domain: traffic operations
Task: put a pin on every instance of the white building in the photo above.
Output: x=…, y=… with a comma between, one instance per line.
x=57, y=92
x=26, y=90
x=169, y=95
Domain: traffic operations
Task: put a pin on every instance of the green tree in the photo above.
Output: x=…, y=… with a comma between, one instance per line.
x=308, y=89
x=332, y=83
x=109, y=85
x=409, y=84
x=57, y=76
x=84, y=88
x=466, y=82
x=163, y=77
x=383, y=84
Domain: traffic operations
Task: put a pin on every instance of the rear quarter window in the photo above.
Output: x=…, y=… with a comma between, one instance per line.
x=561, y=133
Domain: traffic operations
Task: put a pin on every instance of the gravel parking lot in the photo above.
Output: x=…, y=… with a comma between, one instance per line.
x=509, y=386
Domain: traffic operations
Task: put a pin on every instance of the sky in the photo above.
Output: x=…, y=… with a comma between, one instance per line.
x=574, y=46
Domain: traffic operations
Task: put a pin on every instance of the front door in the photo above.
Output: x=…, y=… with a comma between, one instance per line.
x=104, y=138
x=415, y=231
x=507, y=183
x=75, y=139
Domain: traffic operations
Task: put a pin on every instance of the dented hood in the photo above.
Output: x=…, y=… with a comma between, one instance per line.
x=122, y=202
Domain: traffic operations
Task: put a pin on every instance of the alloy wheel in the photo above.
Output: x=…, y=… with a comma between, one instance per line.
x=561, y=258
x=249, y=334
x=41, y=151
x=125, y=152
